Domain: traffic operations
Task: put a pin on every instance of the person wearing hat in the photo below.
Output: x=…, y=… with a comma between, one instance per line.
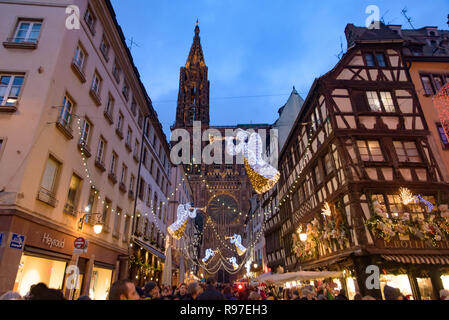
x=152, y=291
x=391, y=293
x=444, y=294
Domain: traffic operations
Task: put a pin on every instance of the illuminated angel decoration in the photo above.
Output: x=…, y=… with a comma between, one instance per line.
x=237, y=241
x=208, y=255
x=233, y=261
x=262, y=175
x=326, y=211
x=185, y=211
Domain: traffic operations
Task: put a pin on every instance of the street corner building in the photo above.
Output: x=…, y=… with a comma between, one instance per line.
x=75, y=120
x=365, y=171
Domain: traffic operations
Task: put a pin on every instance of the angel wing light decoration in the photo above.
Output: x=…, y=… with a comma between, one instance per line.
x=233, y=261
x=185, y=211
x=262, y=175
x=208, y=255
x=237, y=241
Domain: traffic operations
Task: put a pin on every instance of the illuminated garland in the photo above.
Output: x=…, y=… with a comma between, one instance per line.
x=441, y=101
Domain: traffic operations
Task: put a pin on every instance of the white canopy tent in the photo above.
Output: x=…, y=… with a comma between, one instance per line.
x=298, y=276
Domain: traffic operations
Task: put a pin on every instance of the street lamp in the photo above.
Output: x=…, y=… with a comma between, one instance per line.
x=303, y=237
x=98, y=227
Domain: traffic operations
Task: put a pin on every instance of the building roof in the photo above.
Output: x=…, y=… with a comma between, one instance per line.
x=427, y=41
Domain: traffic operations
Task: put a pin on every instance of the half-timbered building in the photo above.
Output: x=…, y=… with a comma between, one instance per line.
x=360, y=183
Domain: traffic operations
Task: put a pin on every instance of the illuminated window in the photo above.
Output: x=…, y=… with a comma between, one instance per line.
x=373, y=101
x=370, y=150
x=407, y=151
x=387, y=101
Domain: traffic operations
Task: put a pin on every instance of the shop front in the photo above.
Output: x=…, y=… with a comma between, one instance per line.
x=146, y=263
x=46, y=255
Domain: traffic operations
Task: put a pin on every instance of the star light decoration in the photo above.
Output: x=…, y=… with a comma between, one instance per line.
x=441, y=102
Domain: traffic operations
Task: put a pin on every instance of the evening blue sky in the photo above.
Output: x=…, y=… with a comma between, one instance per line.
x=256, y=50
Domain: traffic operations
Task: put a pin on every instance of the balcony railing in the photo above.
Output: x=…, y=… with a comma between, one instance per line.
x=78, y=71
x=100, y=164
x=82, y=145
x=65, y=126
x=119, y=133
x=20, y=43
x=122, y=187
x=112, y=177
x=47, y=196
x=108, y=116
x=131, y=194
x=128, y=146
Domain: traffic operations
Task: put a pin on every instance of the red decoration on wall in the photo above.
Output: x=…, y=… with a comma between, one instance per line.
x=441, y=101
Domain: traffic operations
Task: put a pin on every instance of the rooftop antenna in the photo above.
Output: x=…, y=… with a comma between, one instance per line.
x=342, y=51
x=409, y=19
x=132, y=43
x=383, y=18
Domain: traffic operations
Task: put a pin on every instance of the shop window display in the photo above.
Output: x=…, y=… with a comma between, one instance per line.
x=445, y=281
x=33, y=270
x=396, y=281
x=100, y=283
x=425, y=288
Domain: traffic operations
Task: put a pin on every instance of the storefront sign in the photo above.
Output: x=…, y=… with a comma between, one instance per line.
x=413, y=244
x=17, y=241
x=49, y=241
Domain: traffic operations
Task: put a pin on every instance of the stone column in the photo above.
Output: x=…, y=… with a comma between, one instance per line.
x=88, y=275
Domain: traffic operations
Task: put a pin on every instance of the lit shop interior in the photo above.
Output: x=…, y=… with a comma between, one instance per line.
x=51, y=271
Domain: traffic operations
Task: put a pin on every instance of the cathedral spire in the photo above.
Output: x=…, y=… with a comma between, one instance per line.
x=196, y=52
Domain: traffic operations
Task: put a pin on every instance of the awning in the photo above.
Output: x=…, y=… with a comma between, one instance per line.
x=299, y=276
x=149, y=248
x=418, y=259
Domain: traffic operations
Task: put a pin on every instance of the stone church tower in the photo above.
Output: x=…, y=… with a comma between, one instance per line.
x=223, y=188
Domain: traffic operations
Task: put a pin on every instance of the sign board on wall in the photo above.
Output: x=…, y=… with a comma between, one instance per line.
x=80, y=246
x=17, y=241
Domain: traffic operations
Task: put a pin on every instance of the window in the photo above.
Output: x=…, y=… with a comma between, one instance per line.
x=160, y=209
x=113, y=163
x=125, y=91
x=110, y=105
x=155, y=204
x=96, y=83
x=104, y=48
x=27, y=31
x=438, y=81
x=126, y=229
x=65, y=116
x=90, y=20
x=328, y=161
x=72, y=197
x=407, y=151
x=101, y=150
x=92, y=200
x=443, y=137
x=157, y=177
x=427, y=85
x=369, y=60
x=141, y=189
x=149, y=195
x=85, y=132
x=10, y=86
x=129, y=136
x=117, y=221
x=80, y=57
x=50, y=175
x=375, y=104
x=370, y=150
x=134, y=107
x=381, y=60
x=123, y=174
x=145, y=157
x=318, y=176
x=151, y=167
x=373, y=101
x=140, y=120
x=387, y=101
x=106, y=211
x=120, y=122
x=136, y=148
x=131, y=183
x=116, y=71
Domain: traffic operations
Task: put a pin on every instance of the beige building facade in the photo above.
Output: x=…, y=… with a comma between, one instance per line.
x=72, y=115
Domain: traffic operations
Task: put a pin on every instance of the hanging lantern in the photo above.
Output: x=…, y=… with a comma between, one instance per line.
x=441, y=102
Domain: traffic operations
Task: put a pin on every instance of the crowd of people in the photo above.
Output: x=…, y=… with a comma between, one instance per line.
x=126, y=290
